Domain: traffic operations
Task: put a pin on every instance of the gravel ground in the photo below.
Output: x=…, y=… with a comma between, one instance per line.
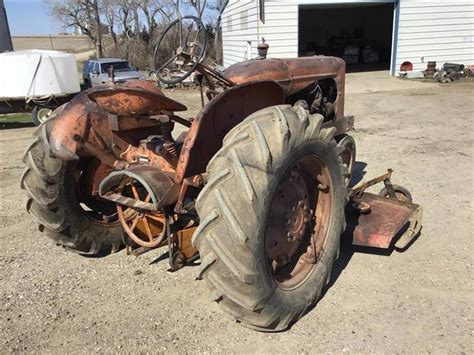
x=52, y=300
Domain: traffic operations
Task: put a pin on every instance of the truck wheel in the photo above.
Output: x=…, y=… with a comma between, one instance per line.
x=271, y=216
x=59, y=196
x=40, y=114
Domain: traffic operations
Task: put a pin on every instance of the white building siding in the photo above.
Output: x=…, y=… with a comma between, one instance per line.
x=280, y=29
x=239, y=26
x=441, y=31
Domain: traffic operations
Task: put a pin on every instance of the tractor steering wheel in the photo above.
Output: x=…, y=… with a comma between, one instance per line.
x=176, y=57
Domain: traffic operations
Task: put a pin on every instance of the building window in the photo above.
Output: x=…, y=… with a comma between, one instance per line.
x=262, y=10
x=244, y=16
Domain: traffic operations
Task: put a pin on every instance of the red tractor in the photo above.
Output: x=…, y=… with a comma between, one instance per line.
x=257, y=187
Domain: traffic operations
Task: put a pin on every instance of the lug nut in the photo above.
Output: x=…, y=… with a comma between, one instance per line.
x=281, y=259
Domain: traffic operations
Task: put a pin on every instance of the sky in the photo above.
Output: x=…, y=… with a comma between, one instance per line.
x=30, y=17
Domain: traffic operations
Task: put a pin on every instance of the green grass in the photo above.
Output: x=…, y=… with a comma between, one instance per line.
x=16, y=117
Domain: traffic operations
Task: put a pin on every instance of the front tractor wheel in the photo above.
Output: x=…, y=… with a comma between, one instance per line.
x=348, y=155
x=59, y=195
x=271, y=217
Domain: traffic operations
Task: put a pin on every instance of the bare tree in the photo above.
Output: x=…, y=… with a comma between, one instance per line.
x=199, y=6
x=82, y=14
x=134, y=25
x=110, y=11
x=152, y=9
x=98, y=27
x=218, y=7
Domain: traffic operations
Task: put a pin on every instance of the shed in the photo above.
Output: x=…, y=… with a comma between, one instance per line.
x=368, y=34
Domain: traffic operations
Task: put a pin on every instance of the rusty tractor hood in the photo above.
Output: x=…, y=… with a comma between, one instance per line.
x=293, y=74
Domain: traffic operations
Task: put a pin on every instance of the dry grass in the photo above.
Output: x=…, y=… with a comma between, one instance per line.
x=16, y=117
x=71, y=44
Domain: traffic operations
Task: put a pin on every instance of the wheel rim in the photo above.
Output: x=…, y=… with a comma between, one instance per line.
x=146, y=228
x=43, y=114
x=298, y=222
x=400, y=195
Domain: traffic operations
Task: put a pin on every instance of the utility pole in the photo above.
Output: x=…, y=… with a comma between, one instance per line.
x=98, y=41
x=6, y=44
x=218, y=33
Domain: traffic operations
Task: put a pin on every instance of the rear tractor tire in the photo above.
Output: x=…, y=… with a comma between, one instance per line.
x=59, y=198
x=271, y=216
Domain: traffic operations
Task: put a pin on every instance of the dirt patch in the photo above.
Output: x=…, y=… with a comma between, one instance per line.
x=52, y=300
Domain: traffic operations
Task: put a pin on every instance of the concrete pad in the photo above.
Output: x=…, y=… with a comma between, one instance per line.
x=416, y=302
x=381, y=81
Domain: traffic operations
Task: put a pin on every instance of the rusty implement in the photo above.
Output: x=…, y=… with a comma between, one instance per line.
x=382, y=221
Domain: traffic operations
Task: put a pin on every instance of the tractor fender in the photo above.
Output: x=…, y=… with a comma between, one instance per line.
x=69, y=127
x=218, y=117
x=104, y=109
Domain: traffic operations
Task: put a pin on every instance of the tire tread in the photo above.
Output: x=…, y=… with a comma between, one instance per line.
x=49, y=200
x=227, y=248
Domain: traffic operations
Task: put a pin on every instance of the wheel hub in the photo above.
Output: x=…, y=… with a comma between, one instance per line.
x=291, y=207
x=44, y=113
x=297, y=222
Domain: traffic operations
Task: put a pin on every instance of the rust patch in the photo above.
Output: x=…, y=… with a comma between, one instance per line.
x=122, y=100
x=381, y=224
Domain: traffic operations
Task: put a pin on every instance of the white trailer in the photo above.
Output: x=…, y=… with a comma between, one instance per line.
x=37, y=80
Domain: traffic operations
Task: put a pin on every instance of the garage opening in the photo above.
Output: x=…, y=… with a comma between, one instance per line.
x=361, y=34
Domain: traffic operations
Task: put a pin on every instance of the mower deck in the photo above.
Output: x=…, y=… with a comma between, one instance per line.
x=383, y=221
